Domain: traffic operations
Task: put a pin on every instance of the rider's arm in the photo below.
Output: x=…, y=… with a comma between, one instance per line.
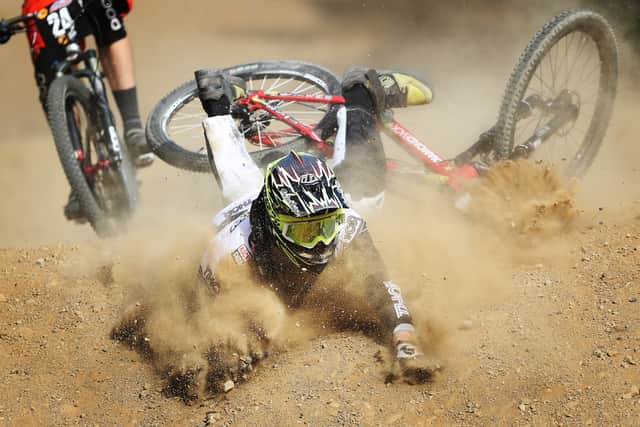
x=384, y=296
x=228, y=249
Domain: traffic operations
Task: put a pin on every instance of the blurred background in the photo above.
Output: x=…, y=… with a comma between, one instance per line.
x=465, y=48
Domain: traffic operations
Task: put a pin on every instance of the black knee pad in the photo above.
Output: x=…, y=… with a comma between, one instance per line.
x=367, y=79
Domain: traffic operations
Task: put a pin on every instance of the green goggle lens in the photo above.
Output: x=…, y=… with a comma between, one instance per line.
x=309, y=232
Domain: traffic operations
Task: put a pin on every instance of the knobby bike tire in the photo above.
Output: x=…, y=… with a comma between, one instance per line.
x=601, y=33
x=169, y=151
x=126, y=172
x=61, y=90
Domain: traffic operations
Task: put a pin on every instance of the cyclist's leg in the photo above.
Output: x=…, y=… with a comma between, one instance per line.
x=116, y=55
x=363, y=172
x=236, y=171
x=368, y=93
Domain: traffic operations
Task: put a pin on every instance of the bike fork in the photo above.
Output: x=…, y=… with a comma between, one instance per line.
x=104, y=114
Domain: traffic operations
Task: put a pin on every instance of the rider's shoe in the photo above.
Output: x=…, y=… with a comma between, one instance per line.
x=138, y=147
x=217, y=89
x=402, y=90
x=388, y=89
x=73, y=210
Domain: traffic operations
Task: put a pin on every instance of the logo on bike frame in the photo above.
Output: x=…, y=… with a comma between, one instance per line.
x=407, y=137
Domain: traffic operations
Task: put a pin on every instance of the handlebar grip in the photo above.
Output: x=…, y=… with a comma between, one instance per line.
x=5, y=31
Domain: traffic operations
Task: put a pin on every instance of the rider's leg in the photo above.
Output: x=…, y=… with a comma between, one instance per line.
x=237, y=173
x=368, y=93
x=104, y=19
x=363, y=171
x=117, y=62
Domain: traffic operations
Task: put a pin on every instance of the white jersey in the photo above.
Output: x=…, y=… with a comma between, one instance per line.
x=234, y=227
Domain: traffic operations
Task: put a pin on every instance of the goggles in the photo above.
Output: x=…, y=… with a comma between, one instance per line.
x=308, y=232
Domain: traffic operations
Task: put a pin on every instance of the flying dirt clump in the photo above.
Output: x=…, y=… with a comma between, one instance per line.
x=527, y=200
x=199, y=340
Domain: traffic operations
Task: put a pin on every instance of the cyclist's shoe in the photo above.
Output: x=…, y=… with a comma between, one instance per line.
x=414, y=366
x=403, y=90
x=388, y=89
x=216, y=90
x=138, y=147
x=73, y=210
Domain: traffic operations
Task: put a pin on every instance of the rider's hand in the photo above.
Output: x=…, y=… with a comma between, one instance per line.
x=414, y=366
x=5, y=31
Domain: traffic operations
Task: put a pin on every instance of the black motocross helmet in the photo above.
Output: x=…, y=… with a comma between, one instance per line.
x=304, y=205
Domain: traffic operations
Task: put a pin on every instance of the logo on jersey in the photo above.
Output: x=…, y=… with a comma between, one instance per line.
x=241, y=255
x=59, y=5
x=111, y=15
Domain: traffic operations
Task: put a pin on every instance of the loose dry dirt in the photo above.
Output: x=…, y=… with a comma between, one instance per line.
x=533, y=311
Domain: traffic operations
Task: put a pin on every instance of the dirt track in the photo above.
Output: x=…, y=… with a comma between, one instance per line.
x=530, y=334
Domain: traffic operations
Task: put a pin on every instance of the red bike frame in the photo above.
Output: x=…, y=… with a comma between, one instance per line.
x=255, y=100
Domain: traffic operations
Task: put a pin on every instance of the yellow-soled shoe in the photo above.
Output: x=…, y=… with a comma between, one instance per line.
x=403, y=90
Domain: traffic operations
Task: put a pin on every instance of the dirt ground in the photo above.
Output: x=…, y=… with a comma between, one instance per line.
x=535, y=326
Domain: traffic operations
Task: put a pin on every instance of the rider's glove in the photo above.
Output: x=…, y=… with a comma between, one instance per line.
x=5, y=32
x=414, y=366
x=407, y=350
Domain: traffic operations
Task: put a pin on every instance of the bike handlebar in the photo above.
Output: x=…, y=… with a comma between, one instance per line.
x=9, y=27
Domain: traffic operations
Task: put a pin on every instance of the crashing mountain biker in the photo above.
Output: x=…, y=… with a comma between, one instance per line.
x=59, y=22
x=295, y=226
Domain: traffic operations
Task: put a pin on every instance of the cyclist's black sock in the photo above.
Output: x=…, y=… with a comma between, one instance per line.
x=217, y=107
x=127, y=101
x=358, y=96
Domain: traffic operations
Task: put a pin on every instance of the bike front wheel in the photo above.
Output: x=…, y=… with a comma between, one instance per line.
x=571, y=63
x=174, y=128
x=106, y=188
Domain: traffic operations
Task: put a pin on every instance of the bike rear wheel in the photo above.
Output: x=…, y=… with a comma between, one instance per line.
x=174, y=128
x=106, y=189
x=573, y=57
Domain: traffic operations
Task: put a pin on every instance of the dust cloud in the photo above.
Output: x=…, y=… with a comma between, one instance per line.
x=448, y=263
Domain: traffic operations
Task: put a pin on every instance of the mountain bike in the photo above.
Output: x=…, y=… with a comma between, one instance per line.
x=556, y=107
x=96, y=162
